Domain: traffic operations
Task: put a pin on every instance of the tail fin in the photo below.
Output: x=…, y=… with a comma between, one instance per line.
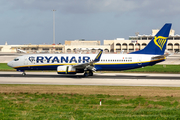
x=157, y=45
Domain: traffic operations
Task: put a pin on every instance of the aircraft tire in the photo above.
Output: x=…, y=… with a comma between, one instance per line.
x=23, y=73
x=90, y=73
x=85, y=74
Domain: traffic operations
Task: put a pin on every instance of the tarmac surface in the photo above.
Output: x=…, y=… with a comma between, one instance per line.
x=102, y=79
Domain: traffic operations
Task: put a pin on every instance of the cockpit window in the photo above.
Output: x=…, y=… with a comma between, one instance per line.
x=16, y=59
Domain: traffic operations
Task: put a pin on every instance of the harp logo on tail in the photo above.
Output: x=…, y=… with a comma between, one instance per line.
x=160, y=41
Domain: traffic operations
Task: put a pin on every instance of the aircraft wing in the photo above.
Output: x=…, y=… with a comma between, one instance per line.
x=89, y=65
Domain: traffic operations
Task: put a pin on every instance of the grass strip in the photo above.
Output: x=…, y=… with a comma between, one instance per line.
x=82, y=102
x=5, y=67
x=158, y=69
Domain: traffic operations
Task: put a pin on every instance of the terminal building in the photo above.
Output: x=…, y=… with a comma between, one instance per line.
x=138, y=42
x=82, y=46
x=118, y=45
x=32, y=48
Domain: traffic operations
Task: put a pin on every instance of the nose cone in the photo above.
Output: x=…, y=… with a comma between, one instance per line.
x=10, y=64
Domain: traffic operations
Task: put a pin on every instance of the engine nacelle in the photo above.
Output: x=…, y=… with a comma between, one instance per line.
x=65, y=69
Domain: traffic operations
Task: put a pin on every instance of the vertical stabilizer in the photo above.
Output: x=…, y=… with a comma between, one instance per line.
x=157, y=45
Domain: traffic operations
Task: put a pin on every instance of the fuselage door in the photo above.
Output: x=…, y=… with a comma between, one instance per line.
x=25, y=61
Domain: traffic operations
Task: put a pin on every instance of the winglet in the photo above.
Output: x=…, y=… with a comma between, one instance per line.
x=98, y=56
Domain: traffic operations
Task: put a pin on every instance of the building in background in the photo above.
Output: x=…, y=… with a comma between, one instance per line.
x=138, y=42
x=42, y=48
x=83, y=46
x=118, y=45
x=32, y=48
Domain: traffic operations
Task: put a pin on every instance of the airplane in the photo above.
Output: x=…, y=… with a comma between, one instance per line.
x=88, y=63
x=21, y=51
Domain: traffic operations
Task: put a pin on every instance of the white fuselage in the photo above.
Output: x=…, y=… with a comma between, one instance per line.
x=107, y=62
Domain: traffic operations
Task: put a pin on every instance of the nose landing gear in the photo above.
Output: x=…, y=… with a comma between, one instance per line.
x=23, y=73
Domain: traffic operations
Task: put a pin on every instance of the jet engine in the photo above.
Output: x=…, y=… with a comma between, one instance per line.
x=65, y=69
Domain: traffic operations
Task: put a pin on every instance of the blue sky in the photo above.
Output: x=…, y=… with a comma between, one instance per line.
x=31, y=21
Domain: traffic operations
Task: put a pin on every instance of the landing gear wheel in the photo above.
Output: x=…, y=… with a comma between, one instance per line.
x=85, y=74
x=90, y=73
x=23, y=73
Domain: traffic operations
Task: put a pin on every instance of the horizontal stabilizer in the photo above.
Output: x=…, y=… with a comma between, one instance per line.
x=160, y=56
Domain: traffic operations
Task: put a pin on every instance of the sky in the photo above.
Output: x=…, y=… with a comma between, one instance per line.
x=31, y=21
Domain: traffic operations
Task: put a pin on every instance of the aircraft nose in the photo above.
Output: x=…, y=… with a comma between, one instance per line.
x=10, y=64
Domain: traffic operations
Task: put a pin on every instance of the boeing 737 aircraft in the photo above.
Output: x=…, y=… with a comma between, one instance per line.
x=88, y=63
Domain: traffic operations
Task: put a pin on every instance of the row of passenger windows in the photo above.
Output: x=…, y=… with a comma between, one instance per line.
x=116, y=60
x=112, y=60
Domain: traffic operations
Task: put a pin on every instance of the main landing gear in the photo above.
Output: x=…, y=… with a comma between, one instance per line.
x=88, y=73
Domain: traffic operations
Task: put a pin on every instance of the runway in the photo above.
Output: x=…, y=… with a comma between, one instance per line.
x=102, y=79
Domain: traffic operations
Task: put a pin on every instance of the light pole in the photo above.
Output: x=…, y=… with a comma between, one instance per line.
x=54, y=26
